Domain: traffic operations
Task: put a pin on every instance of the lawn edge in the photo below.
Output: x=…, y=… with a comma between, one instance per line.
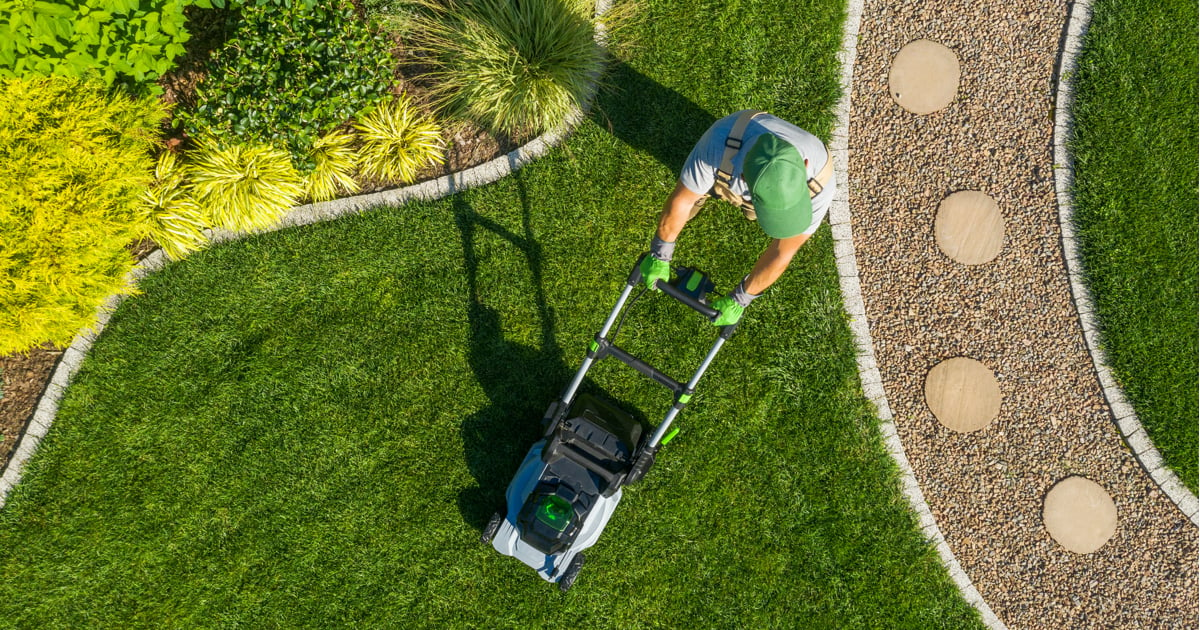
x=444, y=186
x=1123, y=414
x=855, y=308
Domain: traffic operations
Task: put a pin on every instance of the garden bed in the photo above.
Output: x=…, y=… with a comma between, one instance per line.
x=25, y=375
x=467, y=144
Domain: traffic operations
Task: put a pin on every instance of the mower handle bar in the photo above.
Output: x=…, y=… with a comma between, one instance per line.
x=602, y=347
x=700, y=307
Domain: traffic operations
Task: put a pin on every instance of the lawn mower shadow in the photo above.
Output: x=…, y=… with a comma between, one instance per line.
x=520, y=381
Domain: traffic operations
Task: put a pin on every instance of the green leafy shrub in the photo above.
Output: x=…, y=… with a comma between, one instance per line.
x=509, y=66
x=135, y=40
x=397, y=141
x=287, y=73
x=334, y=161
x=242, y=187
x=75, y=160
x=175, y=221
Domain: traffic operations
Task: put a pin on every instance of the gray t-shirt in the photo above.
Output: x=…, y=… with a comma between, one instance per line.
x=700, y=170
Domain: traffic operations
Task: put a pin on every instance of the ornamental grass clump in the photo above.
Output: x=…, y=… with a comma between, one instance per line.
x=397, y=141
x=176, y=222
x=243, y=187
x=75, y=160
x=334, y=161
x=509, y=66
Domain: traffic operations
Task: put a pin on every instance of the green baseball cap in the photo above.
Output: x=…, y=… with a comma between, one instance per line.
x=778, y=182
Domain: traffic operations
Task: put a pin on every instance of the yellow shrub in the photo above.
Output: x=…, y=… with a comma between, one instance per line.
x=334, y=162
x=75, y=159
x=243, y=187
x=397, y=142
x=174, y=219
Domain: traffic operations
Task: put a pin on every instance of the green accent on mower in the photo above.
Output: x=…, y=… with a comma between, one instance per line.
x=555, y=512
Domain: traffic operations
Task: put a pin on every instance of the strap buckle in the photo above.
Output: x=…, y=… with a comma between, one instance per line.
x=724, y=178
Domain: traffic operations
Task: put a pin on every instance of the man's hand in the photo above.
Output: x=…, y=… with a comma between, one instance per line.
x=733, y=305
x=654, y=269
x=731, y=311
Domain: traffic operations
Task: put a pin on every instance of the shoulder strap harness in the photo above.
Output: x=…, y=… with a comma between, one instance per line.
x=724, y=175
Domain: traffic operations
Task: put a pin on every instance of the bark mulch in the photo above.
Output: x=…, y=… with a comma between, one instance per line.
x=24, y=379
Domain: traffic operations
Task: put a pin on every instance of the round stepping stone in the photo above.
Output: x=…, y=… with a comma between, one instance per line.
x=924, y=77
x=1079, y=514
x=969, y=227
x=963, y=394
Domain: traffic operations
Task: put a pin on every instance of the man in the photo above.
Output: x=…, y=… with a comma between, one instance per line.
x=777, y=173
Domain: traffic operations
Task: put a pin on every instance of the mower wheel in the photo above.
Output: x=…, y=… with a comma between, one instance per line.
x=572, y=572
x=489, y=530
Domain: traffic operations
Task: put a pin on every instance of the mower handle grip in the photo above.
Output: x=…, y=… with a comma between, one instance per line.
x=636, y=276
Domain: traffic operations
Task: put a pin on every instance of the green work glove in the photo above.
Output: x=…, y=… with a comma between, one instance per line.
x=733, y=305
x=730, y=310
x=654, y=269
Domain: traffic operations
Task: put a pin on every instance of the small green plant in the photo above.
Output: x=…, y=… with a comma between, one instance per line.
x=75, y=160
x=242, y=187
x=288, y=72
x=397, y=141
x=176, y=222
x=334, y=161
x=127, y=39
x=509, y=66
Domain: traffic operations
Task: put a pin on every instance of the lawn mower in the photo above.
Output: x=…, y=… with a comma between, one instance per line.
x=570, y=482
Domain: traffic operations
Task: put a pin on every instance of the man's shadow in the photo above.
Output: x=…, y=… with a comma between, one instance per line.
x=648, y=116
x=520, y=381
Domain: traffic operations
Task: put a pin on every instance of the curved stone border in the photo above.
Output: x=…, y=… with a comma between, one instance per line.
x=1123, y=414
x=444, y=186
x=868, y=369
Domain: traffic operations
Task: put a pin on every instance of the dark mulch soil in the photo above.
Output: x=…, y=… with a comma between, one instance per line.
x=25, y=378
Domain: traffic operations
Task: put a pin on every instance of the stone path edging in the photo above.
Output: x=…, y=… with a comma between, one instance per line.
x=1131, y=429
x=852, y=300
x=444, y=186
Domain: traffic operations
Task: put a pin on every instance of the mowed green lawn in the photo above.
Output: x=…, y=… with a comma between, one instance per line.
x=309, y=428
x=1136, y=209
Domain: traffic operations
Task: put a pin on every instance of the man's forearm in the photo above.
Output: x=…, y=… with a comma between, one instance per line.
x=772, y=263
x=676, y=213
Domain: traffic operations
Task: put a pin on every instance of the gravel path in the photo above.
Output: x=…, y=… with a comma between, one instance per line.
x=1015, y=315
